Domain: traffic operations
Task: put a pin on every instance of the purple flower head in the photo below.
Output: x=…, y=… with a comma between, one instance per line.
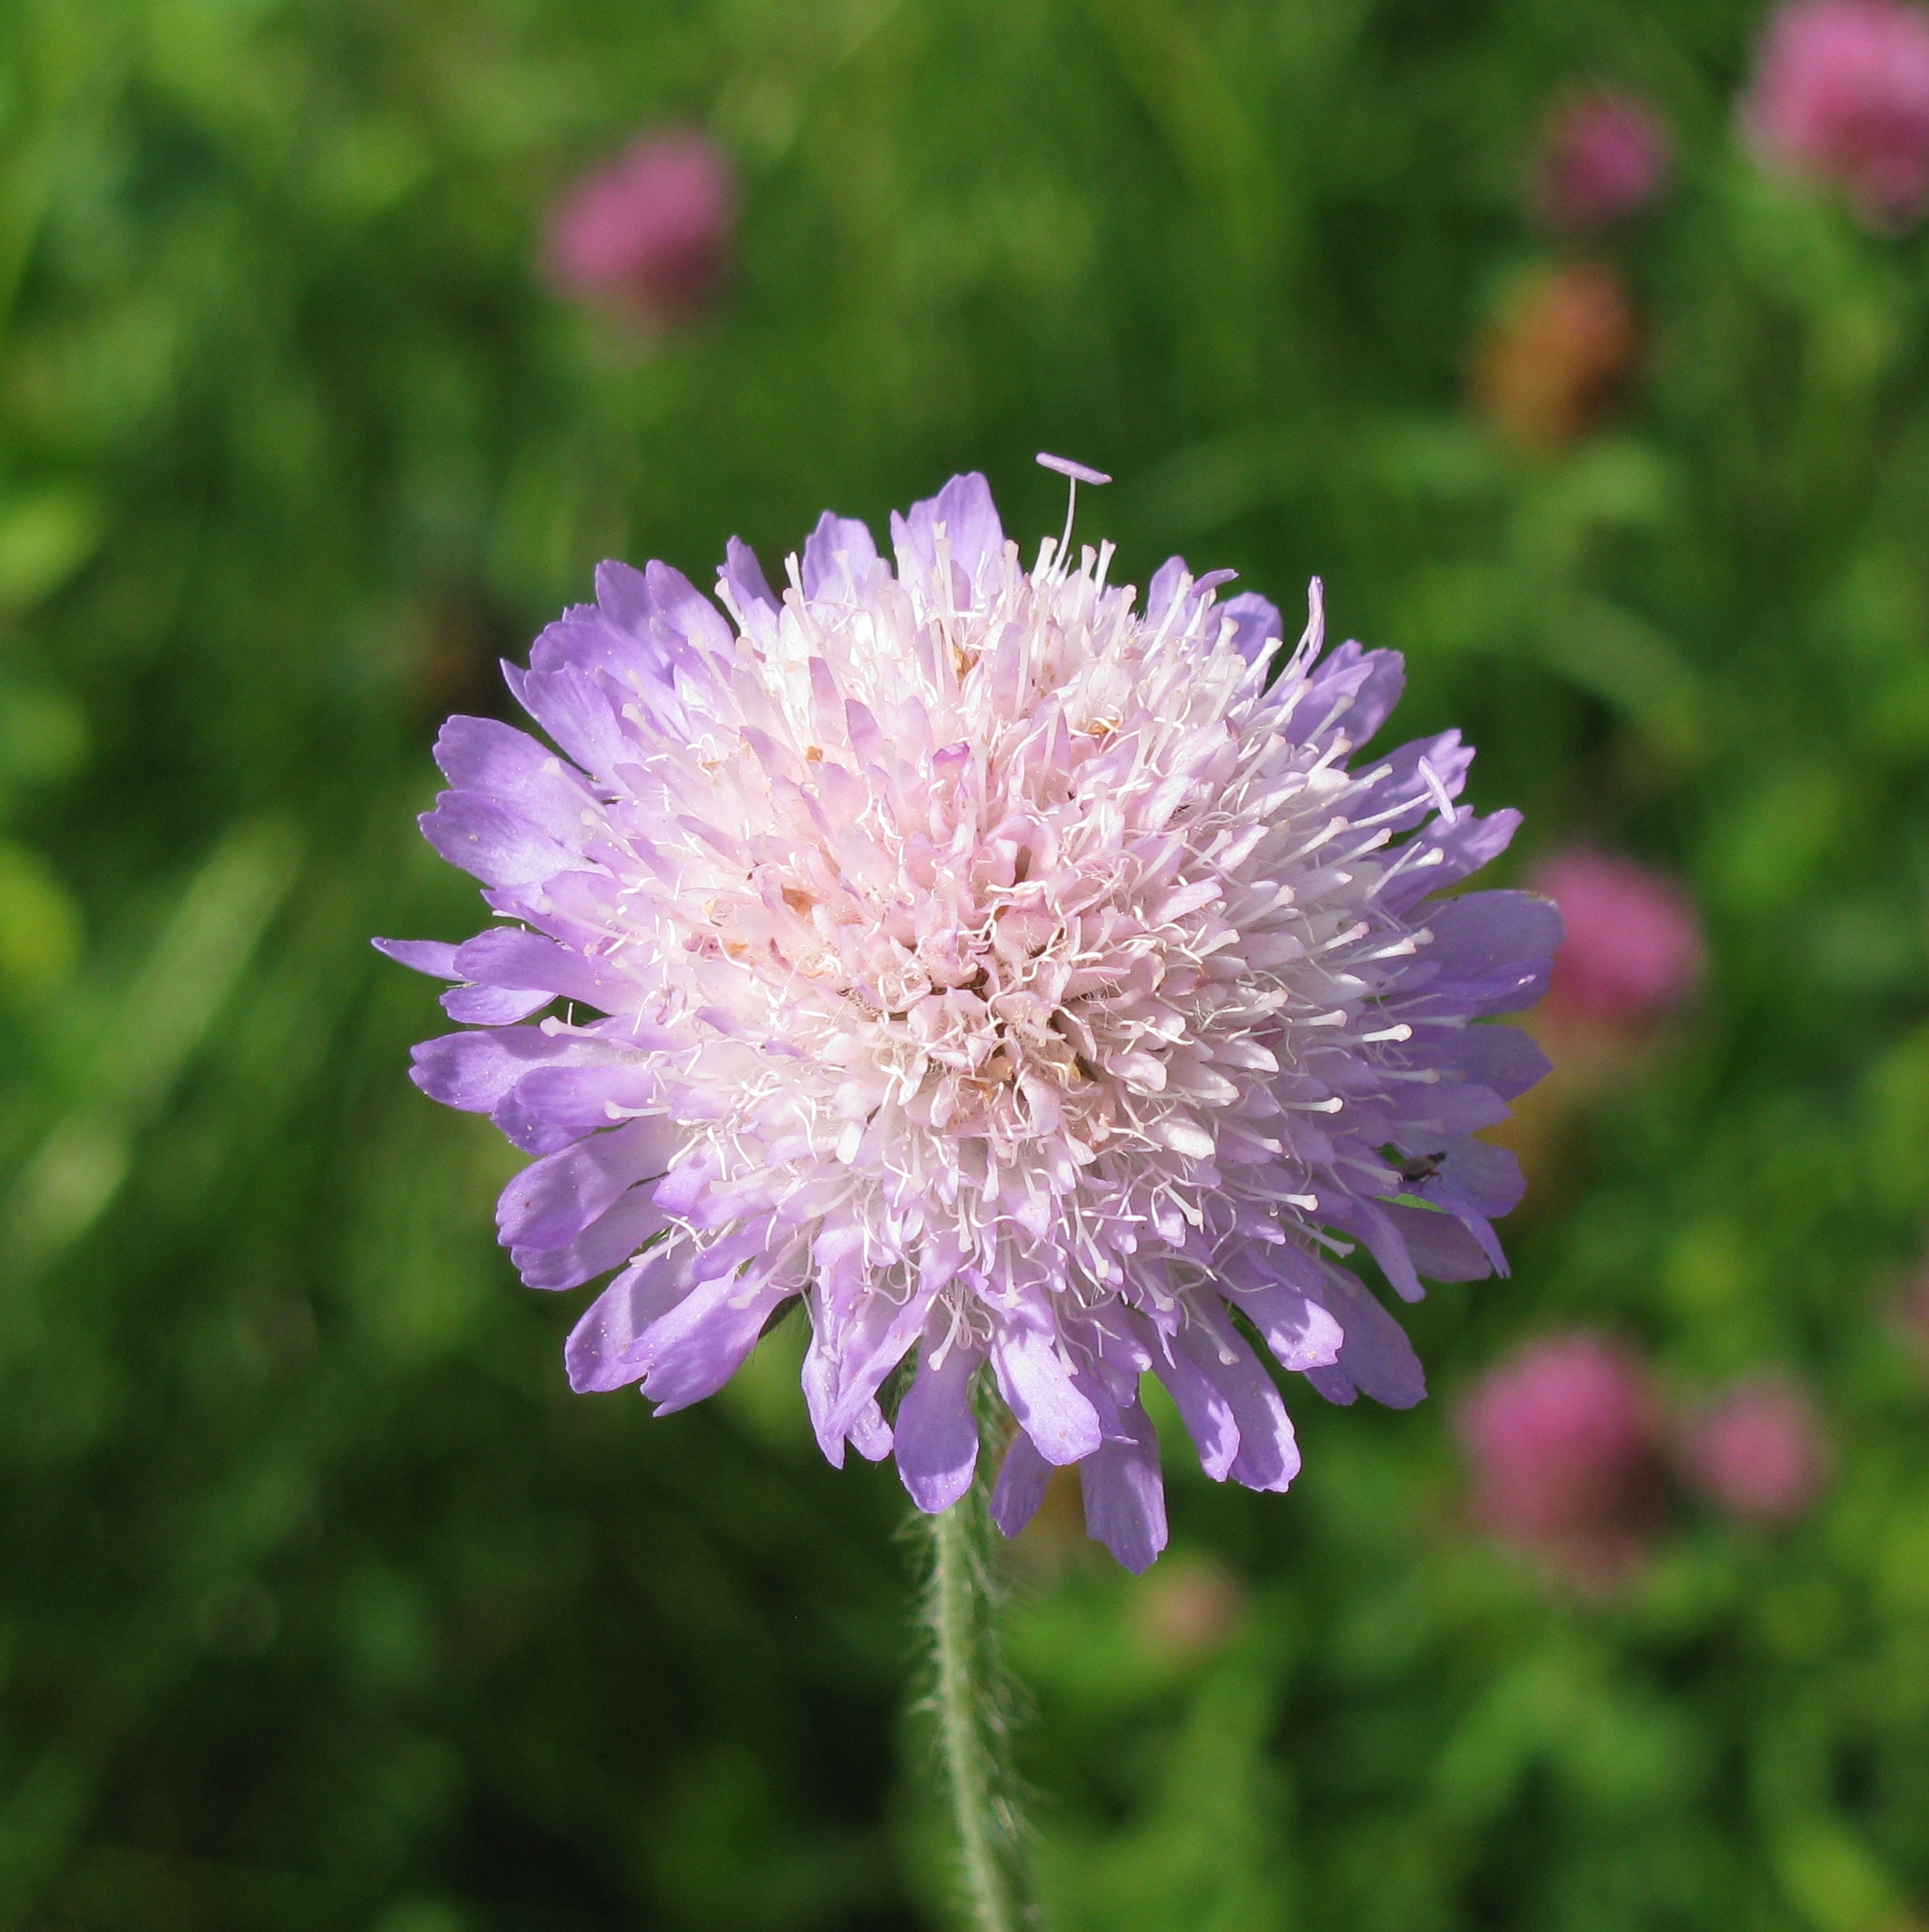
x=1022, y=981
x=1841, y=91
x=1633, y=946
x=1756, y=1451
x=648, y=234
x=1565, y=1444
x=1602, y=156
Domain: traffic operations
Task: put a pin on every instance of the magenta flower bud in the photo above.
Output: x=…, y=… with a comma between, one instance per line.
x=1841, y=91
x=1756, y=1451
x=1564, y=1443
x=1633, y=944
x=648, y=234
x=1603, y=155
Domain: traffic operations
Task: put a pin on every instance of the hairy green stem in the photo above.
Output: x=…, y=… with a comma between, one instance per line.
x=970, y=1703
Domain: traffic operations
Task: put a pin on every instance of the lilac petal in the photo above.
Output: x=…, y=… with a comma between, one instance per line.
x=432, y=956
x=856, y=1338
x=1441, y=1248
x=870, y=1434
x=554, y=1200
x=498, y=846
x=1481, y=932
x=705, y=1340
x=1202, y=1405
x=1038, y=1391
x=1125, y=1498
x=661, y=610
x=1021, y=1486
x=553, y=1106
x=1501, y=1058
x=1162, y=589
x=609, y=1240
x=873, y=1346
x=1251, y=1439
x=1465, y=846
x=687, y=611
x=1505, y=989
x=1485, y=1177
x=496, y=762
x=623, y=597
x=1446, y=1108
x=1375, y=1357
x=1351, y=692
x=576, y=712
x=590, y=643
x=1371, y=1222
x=606, y=1348
x=1297, y=1327
x=1269, y=1453
x=820, y=1390
x=509, y=956
x=1257, y=626
x=492, y=1005
x=937, y=1434
x=838, y=555
x=473, y=1071
x=965, y=508
x=744, y=576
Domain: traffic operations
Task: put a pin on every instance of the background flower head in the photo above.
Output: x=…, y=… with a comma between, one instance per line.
x=1550, y=366
x=1020, y=978
x=1603, y=154
x=647, y=234
x=1564, y=1441
x=1756, y=1450
x=1632, y=948
x=1841, y=91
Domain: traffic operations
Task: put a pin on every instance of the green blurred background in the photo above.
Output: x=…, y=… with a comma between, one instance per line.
x=323, y=1602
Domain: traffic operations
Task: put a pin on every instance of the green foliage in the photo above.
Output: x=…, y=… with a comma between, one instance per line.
x=325, y=1603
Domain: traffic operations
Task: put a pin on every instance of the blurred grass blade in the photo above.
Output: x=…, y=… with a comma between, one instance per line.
x=67, y=1184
